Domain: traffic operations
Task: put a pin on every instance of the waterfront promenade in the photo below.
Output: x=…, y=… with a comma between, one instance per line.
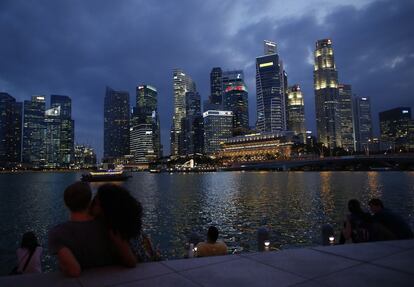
x=388, y=263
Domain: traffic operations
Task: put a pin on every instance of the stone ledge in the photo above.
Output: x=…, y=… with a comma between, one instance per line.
x=388, y=263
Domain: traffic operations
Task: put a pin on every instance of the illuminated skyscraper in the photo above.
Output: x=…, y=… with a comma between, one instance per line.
x=218, y=127
x=182, y=84
x=192, y=125
x=325, y=76
x=216, y=87
x=346, y=116
x=145, y=143
x=235, y=99
x=116, y=124
x=362, y=122
x=397, y=128
x=296, y=111
x=10, y=130
x=270, y=90
x=34, y=129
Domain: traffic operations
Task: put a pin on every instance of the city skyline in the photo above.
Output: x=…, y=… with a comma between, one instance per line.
x=372, y=58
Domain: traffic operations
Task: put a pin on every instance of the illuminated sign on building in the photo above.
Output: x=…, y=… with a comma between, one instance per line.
x=236, y=88
x=268, y=64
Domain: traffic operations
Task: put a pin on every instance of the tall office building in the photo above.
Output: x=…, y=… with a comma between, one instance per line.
x=397, y=128
x=346, y=116
x=34, y=130
x=145, y=140
x=192, y=125
x=362, y=123
x=116, y=124
x=218, y=127
x=325, y=76
x=216, y=87
x=67, y=129
x=53, y=137
x=10, y=130
x=295, y=107
x=271, y=84
x=182, y=84
x=85, y=156
x=235, y=99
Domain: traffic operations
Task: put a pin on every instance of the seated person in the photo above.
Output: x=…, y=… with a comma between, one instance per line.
x=389, y=220
x=212, y=247
x=82, y=242
x=357, y=225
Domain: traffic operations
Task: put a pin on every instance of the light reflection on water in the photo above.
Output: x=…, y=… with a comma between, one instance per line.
x=293, y=204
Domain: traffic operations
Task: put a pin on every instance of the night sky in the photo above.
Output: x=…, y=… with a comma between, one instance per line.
x=76, y=48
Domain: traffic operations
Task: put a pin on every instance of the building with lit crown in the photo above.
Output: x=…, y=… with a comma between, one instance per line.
x=218, y=127
x=295, y=107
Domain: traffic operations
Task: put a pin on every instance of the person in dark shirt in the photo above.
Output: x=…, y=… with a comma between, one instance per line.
x=357, y=225
x=389, y=220
x=82, y=242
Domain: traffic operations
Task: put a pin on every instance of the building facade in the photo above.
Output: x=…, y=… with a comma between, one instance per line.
x=192, y=125
x=235, y=99
x=362, y=123
x=346, y=116
x=10, y=130
x=116, y=124
x=295, y=107
x=34, y=131
x=325, y=78
x=397, y=128
x=216, y=87
x=218, y=126
x=182, y=83
x=85, y=157
x=271, y=83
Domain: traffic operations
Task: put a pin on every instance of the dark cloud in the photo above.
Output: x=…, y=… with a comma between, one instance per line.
x=78, y=47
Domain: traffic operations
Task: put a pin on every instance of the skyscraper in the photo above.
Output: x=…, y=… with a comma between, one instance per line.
x=346, y=116
x=34, y=130
x=10, y=130
x=270, y=90
x=296, y=111
x=397, y=128
x=53, y=138
x=325, y=78
x=67, y=129
x=193, y=133
x=216, y=87
x=218, y=127
x=235, y=99
x=182, y=84
x=116, y=124
x=362, y=122
x=145, y=144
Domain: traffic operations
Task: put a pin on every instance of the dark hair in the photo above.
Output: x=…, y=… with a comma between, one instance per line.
x=122, y=213
x=77, y=196
x=354, y=206
x=212, y=234
x=29, y=241
x=376, y=202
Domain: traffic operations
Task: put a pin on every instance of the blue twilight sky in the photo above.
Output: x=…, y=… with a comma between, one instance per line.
x=78, y=47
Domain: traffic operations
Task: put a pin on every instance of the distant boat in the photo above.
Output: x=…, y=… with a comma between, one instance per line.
x=105, y=175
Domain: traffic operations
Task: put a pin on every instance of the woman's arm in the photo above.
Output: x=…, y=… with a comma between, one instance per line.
x=123, y=250
x=68, y=263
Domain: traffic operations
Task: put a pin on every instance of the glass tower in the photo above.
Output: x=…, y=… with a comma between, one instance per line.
x=362, y=122
x=216, y=87
x=218, y=127
x=325, y=79
x=193, y=133
x=346, y=116
x=296, y=111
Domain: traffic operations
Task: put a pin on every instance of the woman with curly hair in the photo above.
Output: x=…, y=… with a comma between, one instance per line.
x=122, y=214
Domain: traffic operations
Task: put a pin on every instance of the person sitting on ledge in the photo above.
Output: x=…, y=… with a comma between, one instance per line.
x=389, y=220
x=357, y=225
x=212, y=247
x=82, y=242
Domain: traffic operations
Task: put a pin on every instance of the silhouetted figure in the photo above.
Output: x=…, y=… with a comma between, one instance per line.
x=28, y=255
x=358, y=224
x=211, y=247
x=390, y=221
x=82, y=242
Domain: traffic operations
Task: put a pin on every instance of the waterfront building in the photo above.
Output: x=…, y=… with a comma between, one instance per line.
x=34, y=129
x=10, y=130
x=257, y=147
x=182, y=84
x=218, y=126
x=145, y=136
x=325, y=76
x=397, y=128
x=296, y=111
x=346, y=116
x=85, y=156
x=362, y=123
x=192, y=125
x=52, y=137
x=271, y=85
x=216, y=88
x=67, y=129
x=235, y=99
x=116, y=125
